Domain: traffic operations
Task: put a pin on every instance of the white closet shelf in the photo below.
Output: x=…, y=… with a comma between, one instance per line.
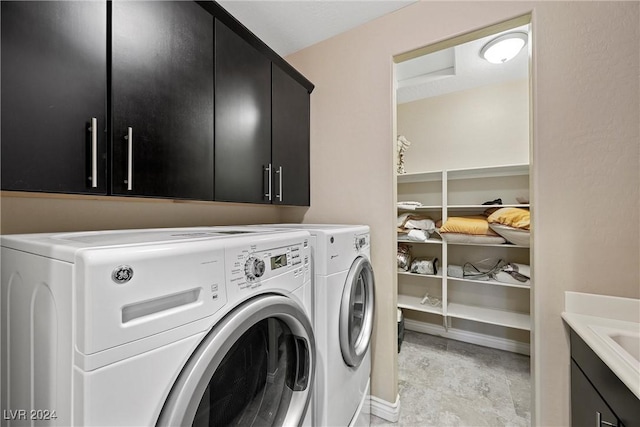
x=500, y=245
x=483, y=172
x=413, y=303
x=461, y=207
x=491, y=316
x=489, y=172
x=407, y=178
x=422, y=208
x=489, y=282
x=422, y=242
x=425, y=276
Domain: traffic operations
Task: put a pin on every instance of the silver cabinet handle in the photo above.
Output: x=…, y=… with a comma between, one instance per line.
x=600, y=422
x=268, y=193
x=94, y=152
x=279, y=172
x=129, y=139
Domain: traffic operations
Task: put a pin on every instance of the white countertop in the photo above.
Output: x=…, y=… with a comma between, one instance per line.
x=589, y=315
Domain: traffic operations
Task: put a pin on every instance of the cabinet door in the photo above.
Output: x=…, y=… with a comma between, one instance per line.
x=53, y=82
x=162, y=99
x=290, y=139
x=586, y=403
x=242, y=119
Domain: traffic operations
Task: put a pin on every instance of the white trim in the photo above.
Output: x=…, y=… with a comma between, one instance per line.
x=384, y=409
x=470, y=337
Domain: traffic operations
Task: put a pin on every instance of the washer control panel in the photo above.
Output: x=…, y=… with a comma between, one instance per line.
x=251, y=266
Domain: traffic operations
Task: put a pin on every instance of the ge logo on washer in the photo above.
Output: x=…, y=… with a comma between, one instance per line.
x=122, y=274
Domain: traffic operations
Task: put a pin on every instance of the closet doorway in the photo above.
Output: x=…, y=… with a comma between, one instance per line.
x=463, y=126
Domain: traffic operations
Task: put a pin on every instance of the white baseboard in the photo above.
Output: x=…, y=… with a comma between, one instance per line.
x=386, y=410
x=470, y=337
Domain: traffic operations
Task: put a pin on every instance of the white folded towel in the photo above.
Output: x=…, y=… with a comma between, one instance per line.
x=409, y=205
x=418, y=235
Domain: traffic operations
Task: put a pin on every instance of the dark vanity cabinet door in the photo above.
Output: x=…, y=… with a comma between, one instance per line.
x=290, y=140
x=587, y=406
x=242, y=120
x=53, y=84
x=597, y=394
x=162, y=99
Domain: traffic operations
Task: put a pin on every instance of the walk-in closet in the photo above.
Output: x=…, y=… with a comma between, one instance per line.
x=463, y=194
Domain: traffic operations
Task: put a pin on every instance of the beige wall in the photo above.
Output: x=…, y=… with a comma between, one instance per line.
x=25, y=213
x=585, y=158
x=483, y=126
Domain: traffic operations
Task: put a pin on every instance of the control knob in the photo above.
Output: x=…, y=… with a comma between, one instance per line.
x=254, y=268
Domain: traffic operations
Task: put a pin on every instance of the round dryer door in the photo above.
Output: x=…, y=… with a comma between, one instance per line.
x=256, y=367
x=356, y=312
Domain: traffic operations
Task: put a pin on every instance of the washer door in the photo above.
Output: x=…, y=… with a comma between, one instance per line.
x=356, y=312
x=256, y=367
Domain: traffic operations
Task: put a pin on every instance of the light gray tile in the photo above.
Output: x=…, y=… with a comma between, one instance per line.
x=426, y=340
x=449, y=383
x=419, y=406
x=461, y=411
x=426, y=368
x=520, y=389
x=478, y=355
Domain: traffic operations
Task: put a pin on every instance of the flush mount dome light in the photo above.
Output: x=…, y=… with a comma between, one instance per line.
x=504, y=47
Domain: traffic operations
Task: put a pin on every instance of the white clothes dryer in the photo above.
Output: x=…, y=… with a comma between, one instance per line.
x=192, y=326
x=343, y=321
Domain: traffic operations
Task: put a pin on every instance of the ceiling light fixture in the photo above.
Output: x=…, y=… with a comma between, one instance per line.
x=504, y=47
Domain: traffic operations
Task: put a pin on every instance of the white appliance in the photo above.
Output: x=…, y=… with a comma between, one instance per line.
x=343, y=321
x=162, y=327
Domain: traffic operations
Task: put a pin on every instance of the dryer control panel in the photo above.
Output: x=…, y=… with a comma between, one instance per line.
x=362, y=241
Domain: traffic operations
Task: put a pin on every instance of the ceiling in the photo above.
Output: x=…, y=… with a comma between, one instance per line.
x=291, y=25
x=457, y=68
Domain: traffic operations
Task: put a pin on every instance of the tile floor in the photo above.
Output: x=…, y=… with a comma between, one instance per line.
x=444, y=382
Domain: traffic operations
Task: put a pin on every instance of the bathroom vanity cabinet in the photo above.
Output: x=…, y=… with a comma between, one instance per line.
x=598, y=396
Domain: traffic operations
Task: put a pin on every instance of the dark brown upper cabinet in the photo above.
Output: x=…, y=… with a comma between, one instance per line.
x=242, y=119
x=54, y=94
x=172, y=99
x=162, y=99
x=261, y=127
x=290, y=118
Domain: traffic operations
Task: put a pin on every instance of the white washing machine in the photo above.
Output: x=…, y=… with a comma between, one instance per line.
x=165, y=327
x=343, y=321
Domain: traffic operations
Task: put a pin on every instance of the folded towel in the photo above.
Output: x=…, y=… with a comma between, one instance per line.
x=410, y=206
x=418, y=235
x=414, y=221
